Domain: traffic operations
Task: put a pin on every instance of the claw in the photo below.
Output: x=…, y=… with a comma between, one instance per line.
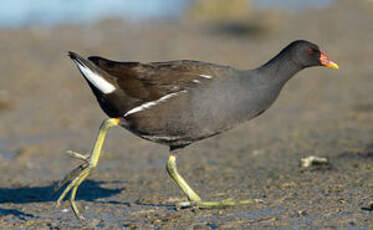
x=69, y=176
x=216, y=204
x=185, y=204
x=78, y=156
x=73, y=183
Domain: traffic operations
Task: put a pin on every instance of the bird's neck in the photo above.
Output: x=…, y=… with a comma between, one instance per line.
x=279, y=69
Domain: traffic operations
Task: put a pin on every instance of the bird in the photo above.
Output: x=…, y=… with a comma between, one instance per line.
x=177, y=103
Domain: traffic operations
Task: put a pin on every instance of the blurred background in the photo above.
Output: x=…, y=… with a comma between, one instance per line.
x=25, y=13
x=46, y=108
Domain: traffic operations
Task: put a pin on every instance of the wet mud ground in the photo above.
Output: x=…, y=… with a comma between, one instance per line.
x=46, y=108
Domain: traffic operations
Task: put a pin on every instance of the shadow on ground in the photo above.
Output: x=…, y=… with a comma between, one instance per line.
x=21, y=215
x=89, y=191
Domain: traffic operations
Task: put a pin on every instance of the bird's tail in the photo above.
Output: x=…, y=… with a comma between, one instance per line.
x=92, y=74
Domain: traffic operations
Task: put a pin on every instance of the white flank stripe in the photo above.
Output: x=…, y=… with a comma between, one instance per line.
x=205, y=76
x=152, y=103
x=98, y=81
x=162, y=138
x=196, y=81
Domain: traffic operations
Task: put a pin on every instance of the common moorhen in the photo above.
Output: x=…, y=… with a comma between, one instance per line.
x=177, y=103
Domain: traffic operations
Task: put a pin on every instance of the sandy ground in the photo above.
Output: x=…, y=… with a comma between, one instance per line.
x=46, y=108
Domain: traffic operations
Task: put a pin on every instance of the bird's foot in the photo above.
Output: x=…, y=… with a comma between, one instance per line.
x=216, y=204
x=75, y=177
x=78, y=175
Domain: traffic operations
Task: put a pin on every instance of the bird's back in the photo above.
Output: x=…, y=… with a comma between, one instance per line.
x=179, y=102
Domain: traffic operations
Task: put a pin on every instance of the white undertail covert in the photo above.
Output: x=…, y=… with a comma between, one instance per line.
x=97, y=80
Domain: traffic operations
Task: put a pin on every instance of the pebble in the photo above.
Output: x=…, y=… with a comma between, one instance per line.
x=313, y=160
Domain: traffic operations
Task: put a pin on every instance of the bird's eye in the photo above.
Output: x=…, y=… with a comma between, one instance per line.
x=310, y=51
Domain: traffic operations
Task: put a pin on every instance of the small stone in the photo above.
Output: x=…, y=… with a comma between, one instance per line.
x=302, y=213
x=257, y=152
x=313, y=160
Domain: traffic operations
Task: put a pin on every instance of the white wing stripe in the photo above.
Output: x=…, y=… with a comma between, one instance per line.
x=205, y=76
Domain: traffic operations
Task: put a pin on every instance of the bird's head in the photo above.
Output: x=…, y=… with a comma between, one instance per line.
x=308, y=54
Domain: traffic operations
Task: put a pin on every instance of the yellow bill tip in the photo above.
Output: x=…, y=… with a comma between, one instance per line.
x=325, y=61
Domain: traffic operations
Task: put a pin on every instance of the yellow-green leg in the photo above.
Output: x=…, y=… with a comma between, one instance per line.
x=194, y=199
x=80, y=173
